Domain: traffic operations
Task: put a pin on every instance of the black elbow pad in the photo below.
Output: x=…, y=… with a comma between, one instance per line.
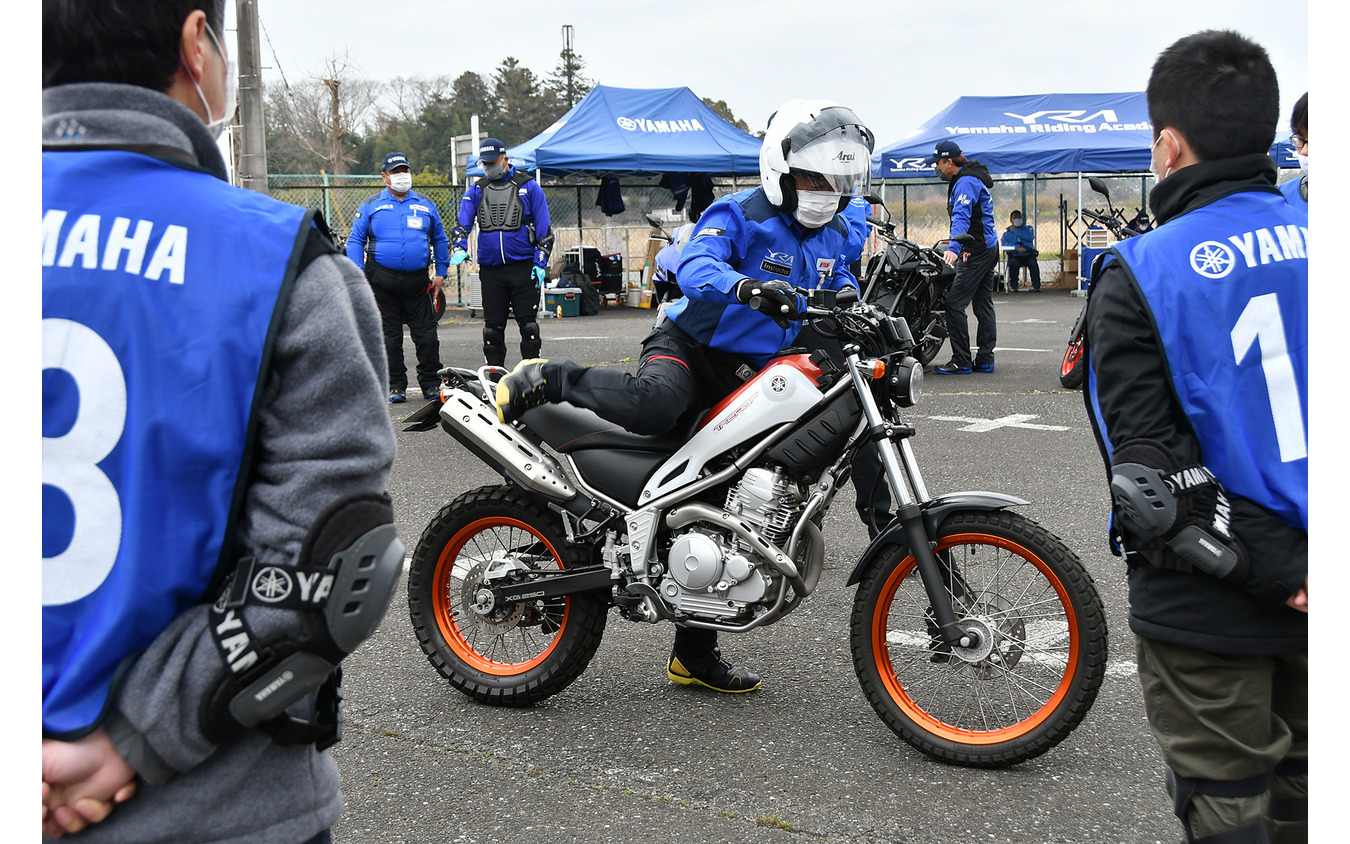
x=1175, y=516
x=281, y=631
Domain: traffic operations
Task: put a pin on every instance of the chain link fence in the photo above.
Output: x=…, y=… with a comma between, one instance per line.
x=918, y=208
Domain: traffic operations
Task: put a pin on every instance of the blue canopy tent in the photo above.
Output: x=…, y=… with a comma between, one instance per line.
x=637, y=130
x=1040, y=133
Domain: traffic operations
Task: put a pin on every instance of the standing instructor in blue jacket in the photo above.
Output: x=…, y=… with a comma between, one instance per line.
x=401, y=232
x=972, y=212
x=514, y=242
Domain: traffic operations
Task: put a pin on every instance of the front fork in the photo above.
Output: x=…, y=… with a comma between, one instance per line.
x=900, y=465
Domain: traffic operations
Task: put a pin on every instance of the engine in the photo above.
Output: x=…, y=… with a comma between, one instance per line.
x=713, y=573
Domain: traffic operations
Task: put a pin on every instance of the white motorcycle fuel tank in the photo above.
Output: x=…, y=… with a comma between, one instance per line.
x=782, y=392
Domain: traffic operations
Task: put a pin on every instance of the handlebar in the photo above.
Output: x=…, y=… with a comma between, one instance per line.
x=1116, y=227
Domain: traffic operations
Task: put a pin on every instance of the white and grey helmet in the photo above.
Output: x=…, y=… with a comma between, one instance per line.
x=821, y=139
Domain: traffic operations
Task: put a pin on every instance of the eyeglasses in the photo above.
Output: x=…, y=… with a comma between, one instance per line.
x=1297, y=141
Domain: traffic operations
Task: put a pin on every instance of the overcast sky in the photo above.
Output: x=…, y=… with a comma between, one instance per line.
x=895, y=63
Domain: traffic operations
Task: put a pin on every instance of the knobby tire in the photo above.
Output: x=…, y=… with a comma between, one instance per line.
x=1047, y=642
x=516, y=655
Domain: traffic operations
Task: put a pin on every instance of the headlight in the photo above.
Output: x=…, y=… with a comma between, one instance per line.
x=907, y=382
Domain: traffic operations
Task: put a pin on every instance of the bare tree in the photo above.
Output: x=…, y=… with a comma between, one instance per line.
x=316, y=122
x=405, y=99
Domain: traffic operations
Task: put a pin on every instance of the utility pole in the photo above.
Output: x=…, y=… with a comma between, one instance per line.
x=569, y=66
x=253, y=139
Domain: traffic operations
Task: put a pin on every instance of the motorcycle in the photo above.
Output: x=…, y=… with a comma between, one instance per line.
x=977, y=635
x=911, y=281
x=1072, y=370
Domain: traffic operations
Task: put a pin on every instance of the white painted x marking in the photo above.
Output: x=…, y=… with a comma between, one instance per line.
x=1016, y=420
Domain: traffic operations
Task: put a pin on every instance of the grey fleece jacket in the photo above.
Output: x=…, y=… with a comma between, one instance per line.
x=324, y=433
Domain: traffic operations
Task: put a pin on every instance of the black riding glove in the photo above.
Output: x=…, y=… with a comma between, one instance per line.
x=775, y=299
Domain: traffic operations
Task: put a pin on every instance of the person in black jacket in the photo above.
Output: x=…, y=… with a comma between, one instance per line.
x=1197, y=390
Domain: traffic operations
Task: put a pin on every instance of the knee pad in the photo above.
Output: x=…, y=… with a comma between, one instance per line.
x=530, y=343
x=281, y=631
x=494, y=344
x=1183, y=790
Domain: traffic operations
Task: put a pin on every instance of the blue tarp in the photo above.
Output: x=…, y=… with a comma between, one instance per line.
x=645, y=130
x=1042, y=133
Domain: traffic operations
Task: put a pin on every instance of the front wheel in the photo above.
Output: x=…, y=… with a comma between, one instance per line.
x=929, y=326
x=935, y=334
x=1035, y=668
x=1073, y=369
x=508, y=655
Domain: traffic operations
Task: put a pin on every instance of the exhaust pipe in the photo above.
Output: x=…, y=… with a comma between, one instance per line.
x=476, y=426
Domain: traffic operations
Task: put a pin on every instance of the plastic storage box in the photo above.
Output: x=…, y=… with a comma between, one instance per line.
x=569, y=299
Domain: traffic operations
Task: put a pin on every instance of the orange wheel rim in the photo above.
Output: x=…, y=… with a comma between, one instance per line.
x=882, y=656
x=448, y=614
x=1071, y=356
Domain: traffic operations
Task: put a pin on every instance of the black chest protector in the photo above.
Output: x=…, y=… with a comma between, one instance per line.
x=500, y=209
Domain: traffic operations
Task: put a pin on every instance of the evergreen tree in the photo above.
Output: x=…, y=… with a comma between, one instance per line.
x=724, y=111
x=524, y=108
x=567, y=79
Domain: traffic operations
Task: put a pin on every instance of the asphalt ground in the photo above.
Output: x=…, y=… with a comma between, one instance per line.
x=624, y=754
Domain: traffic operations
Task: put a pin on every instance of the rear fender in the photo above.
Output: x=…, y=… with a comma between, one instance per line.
x=934, y=513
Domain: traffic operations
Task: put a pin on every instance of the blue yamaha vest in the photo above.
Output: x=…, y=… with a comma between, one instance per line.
x=1230, y=283
x=157, y=323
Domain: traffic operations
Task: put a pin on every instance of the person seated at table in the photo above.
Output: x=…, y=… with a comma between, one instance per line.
x=1019, y=244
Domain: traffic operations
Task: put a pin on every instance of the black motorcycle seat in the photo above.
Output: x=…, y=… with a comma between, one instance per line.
x=567, y=428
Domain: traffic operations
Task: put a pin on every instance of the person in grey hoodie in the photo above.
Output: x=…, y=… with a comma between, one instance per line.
x=216, y=446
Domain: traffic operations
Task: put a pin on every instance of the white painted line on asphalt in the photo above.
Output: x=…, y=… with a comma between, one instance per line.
x=1016, y=420
x=1033, y=321
x=1015, y=349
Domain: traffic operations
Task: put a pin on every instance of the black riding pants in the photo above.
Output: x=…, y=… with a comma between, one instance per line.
x=676, y=377
x=1016, y=261
x=509, y=289
x=974, y=284
x=404, y=298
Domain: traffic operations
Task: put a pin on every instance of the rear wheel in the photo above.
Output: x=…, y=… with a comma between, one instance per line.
x=510, y=655
x=1037, y=665
x=1073, y=369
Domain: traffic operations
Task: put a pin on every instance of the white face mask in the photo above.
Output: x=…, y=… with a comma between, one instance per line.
x=1303, y=161
x=215, y=127
x=815, y=208
x=400, y=182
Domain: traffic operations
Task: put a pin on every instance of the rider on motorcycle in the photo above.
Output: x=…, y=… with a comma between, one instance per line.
x=737, y=273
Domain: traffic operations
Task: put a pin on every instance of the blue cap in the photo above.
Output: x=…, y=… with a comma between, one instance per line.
x=943, y=149
x=394, y=159
x=490, y=149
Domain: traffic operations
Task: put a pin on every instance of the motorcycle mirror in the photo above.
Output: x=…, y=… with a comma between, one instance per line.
x=1099, y=186
x=651, y=218
x=873, y=199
